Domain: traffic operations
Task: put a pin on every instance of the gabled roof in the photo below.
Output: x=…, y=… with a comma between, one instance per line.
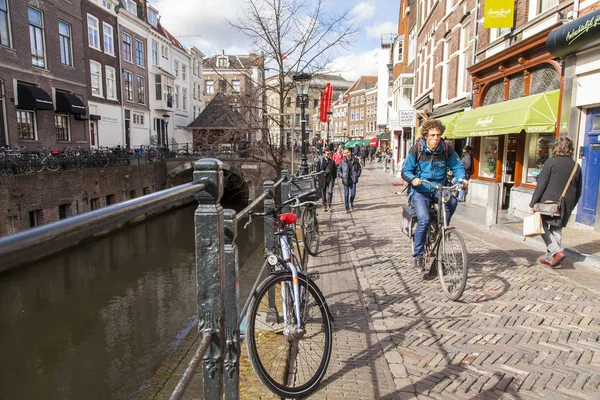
x=363, y=83
x=235, y=62
x=219, y=115
x=166, y=34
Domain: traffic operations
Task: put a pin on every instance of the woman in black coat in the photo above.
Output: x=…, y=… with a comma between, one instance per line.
x=550, y=184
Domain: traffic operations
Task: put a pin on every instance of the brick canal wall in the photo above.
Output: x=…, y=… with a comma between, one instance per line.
x=41, y=198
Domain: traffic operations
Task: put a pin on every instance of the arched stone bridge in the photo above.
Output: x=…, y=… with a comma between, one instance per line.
x=244, y=173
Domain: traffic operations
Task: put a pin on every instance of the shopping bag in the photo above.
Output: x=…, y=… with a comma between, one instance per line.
x=532, y=225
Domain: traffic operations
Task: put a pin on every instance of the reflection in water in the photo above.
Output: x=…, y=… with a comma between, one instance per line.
x=97, y=322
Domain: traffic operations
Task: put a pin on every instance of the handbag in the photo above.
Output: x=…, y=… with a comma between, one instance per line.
x=551, y=207
x=532, y=225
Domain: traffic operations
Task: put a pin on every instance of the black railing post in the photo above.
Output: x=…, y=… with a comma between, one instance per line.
x=269, y=204
x=285, y=188
x=209, y=232
x=231, y=361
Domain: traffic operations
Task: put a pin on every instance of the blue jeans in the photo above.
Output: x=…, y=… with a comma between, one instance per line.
x=349, y=191
x=421, y=204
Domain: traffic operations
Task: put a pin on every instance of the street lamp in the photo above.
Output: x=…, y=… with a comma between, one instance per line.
x=302, y=84
x=166, y=118
x=329, y=114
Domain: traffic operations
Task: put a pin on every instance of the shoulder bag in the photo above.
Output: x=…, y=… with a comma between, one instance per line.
x=551, y=207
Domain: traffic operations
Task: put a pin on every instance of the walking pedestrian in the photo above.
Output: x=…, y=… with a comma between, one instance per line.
x=551, y=184
x=467, y=160
x=328, y=171
x=364, y=153
x=349, y=170
x=338, y=156
x=372, y=150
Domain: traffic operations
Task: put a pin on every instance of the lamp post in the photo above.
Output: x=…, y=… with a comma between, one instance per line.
x=302, y=84
x=329, y=114
x=166, y=117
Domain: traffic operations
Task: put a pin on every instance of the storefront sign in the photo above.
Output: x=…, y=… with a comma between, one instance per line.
x=109, y=120
x=407, y=119
x=484, y=122
x=499, y=14
x=580, y=34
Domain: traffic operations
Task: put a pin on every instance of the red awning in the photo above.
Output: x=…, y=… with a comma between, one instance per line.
x=373, y=141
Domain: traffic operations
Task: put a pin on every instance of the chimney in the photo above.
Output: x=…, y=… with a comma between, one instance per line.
x=252, y=56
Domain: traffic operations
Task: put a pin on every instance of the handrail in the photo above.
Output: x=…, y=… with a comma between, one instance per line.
x=68, y=231
x=242, y=214
x=191, y=368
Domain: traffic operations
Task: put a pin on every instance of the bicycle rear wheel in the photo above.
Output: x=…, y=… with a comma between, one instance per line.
x=310, y=230
x=452, y=264
x=289, y=363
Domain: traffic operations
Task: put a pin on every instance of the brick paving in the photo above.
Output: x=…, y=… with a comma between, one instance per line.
x=522, y=330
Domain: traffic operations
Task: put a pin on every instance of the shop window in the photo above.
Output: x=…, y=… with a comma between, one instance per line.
x=537, y=151
x=495, y=94
x=544, y=79
x=516, y=87
x=489, y=157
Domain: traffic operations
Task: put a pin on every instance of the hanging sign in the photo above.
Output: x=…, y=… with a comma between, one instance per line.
x=499, y=14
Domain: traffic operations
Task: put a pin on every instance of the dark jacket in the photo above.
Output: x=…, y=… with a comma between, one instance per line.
x=550, y=184
x=467, y=161
x=431, y=165
x=364, y=152
x=330, y=170
x=349, y=171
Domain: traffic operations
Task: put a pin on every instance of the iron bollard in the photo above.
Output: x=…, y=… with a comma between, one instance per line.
x=285, y=189
x=231, y=361
x=209, y=233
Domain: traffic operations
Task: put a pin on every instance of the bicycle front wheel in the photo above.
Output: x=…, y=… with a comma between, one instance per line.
x=310, y=230
x=288, y=361
x=452, y=264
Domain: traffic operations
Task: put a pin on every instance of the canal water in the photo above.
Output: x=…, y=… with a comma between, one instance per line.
x=98, y=321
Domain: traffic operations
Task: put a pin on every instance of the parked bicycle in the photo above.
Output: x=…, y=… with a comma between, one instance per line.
x=289, y=329
x=308, y=211
x=445, y=250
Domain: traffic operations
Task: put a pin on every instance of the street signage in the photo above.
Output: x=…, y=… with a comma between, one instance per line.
x=407, y=119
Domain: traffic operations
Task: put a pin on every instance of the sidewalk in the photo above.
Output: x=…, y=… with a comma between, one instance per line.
x=521, y=331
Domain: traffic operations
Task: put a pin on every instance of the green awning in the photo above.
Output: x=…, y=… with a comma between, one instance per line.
x=449, y=122
x=351, y=143
x=535, y=113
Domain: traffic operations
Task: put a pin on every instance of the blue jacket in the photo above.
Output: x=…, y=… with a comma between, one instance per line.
x=432, y=165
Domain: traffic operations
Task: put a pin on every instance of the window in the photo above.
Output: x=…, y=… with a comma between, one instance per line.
x=64, y=38
x=153, y=18
x=61, y=126
x=543, y=79
x=176, y=68
x=64, y=211
x=168, y=91
x=132, y=194
x=176, y=97
x=495, y=93
x=126, y=47
x=139, y=52
x=107, y=33
x=96, y=75
x=93, y=32
x=111, y=88
x=154, y=53
x=465, y=32
x=164, y=51
x=158, y=87
x=222, y=86
x=210, y=89
x=516, y=87
x=128, y=80
x=448, y=6
x=194, y=92
x=106, y=5
x=94, y=204
x=544, y=5
x=236, y=86
x=445, y=69
x=288, y=101
x=495, y=33
x=36, y=37
x=141, y=89
x=222, y=62
x=489, y=157
x=538, y=150
x=184, y=72
x=362, y=114
x=26, y=125
x=131, y=6
x=194, y=112
x=138, y=119
x=4, y=39
x=400, y=50
x=110, y=199
x=412, y=45
x=352, y=115
x=297, y=119
x=36, y=218
x=184, y=99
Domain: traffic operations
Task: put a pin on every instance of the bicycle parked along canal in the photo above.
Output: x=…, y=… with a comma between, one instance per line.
x=289, y=329
x=445, y=250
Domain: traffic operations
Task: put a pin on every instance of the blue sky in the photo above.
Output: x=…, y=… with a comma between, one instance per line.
x=201, y=23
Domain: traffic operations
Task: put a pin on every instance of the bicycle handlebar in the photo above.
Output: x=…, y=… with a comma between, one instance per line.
x=279, y=207
x=440, y=187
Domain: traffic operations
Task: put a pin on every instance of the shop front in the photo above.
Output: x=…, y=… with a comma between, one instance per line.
x=513, y=124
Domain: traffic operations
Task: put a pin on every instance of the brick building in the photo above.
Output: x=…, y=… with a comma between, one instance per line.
x=43, y=85
x=361, y=96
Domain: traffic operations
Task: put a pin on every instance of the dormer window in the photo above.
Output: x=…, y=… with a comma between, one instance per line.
x=223, y=62
x=106, y=4
x=131, y=6
x=152, y=17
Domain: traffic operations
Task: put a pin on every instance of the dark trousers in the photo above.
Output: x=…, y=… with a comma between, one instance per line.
x=327, y=192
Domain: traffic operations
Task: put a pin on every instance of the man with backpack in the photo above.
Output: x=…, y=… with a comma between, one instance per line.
x=349, y=170
x=429, y=159
x=328, y=170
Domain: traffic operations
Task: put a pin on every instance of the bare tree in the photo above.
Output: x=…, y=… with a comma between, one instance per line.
x=294, y=36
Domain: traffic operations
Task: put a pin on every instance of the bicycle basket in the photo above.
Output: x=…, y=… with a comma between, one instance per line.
x=300, y=185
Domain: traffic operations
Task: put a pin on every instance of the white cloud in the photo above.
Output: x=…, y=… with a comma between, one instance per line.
x=362, y=11
x=382, y=28
x=353, y=66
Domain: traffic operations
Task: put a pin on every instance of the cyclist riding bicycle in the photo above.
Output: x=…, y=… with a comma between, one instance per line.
x=429, y=159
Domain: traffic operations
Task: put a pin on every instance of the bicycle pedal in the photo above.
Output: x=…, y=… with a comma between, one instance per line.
x=314, y=276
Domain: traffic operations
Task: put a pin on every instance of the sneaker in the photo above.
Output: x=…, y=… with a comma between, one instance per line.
x=325, y=209
x=348, y=211
x=419, y=262
x=352, y=207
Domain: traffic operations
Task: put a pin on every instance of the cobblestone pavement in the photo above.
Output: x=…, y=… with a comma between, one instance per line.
x=522, y=330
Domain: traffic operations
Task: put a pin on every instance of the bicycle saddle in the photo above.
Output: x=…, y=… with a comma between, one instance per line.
x=288, y=218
